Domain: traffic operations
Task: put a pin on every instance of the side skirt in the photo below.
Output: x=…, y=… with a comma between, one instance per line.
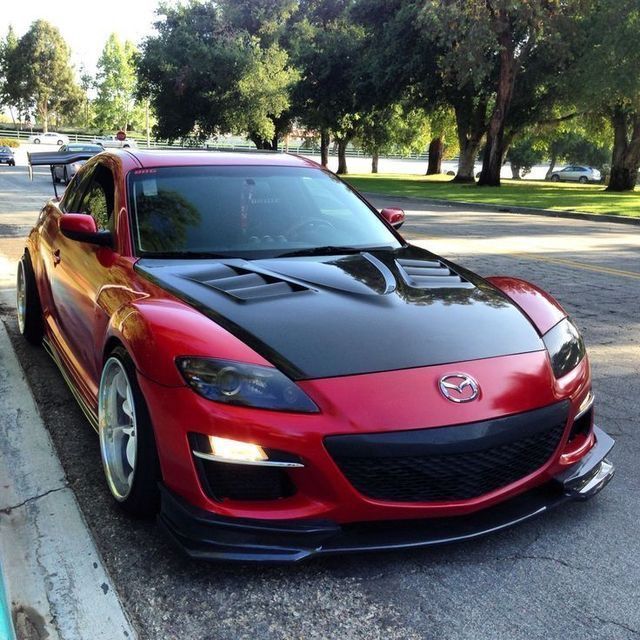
x=86, y=409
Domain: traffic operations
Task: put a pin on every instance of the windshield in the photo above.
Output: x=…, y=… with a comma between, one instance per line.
x=249, y=212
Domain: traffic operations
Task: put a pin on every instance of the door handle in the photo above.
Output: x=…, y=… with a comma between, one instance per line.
x=56, y=257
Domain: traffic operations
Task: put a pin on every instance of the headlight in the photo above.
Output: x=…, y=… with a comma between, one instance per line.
x=565, y=346
x=247, y=385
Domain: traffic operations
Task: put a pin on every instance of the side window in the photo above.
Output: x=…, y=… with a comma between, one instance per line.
x=70, y=202
x=98, y=199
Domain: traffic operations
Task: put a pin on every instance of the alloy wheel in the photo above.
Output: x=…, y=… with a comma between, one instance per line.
x=117, y=429
x=21, y=296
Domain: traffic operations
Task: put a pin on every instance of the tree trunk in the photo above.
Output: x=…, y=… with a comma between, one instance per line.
x=342, y=156
x=436, y=150
x=515, y=171
x=324, y=147
x=626, y=150
x=470, y=126
x=552, y=166
x=375, y=156
x=261, y=143
x=494, y=149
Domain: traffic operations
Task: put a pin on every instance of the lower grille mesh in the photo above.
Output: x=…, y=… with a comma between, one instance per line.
x=455, y=476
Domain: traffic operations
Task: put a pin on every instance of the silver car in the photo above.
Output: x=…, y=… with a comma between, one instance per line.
x=576, y=173
x=112, y=142
x=64, y=172
x=51, y=137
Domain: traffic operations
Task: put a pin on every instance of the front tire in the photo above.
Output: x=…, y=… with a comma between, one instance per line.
x=127, y=443
x=36, y=141
x=28, y=306
x=555, y=178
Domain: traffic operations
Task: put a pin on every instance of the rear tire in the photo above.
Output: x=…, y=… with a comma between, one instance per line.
x=28, y=306
x=127, y=442
x=583, y=180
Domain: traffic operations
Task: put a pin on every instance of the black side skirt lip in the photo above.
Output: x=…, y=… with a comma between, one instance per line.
x=205, y=536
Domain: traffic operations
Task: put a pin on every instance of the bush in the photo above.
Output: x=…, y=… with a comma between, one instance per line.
x=9, y=142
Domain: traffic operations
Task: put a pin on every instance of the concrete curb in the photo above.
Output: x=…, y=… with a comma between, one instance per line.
x=57, y=586
x=497, y=208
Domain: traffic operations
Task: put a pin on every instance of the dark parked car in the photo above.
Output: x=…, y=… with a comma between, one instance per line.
x=64, y=172
x=6, y=156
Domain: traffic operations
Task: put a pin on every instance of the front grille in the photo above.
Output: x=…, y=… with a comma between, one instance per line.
x=449, y=466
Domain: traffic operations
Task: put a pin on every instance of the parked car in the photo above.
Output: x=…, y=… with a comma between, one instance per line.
x=576, y=173
x=7, y=156
x=112, y=142
x=269, y=364
x=64, y=172
x=51, y=137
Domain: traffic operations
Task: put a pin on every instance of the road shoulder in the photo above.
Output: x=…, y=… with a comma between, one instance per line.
x=57, y=586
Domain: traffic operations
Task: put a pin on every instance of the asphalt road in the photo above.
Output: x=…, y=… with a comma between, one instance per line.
x=572, y=574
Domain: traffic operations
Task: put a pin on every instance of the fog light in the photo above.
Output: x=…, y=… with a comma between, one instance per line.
x=236, y=450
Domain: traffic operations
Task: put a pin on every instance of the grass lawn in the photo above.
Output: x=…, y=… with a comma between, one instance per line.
x=525, y=193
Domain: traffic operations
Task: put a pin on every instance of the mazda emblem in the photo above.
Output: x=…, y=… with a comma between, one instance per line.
x=459, y=387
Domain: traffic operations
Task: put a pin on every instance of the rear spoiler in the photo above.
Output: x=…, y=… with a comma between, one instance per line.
x=51, y=158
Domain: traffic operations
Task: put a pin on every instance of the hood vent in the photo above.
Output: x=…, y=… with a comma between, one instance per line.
x=244, y=284
x=430, y=274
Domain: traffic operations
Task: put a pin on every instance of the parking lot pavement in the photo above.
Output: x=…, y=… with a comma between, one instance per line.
x=572, y=574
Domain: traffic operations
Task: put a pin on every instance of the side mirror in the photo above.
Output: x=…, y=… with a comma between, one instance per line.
x=81, y=227
x=394, y=216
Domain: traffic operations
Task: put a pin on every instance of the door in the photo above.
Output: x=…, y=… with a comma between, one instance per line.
x=82, y=270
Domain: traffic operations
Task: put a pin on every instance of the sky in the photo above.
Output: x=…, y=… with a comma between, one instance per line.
x=85, y=25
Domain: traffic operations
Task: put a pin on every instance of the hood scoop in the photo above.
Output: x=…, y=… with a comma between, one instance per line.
x=243, y=284
x=430, y=274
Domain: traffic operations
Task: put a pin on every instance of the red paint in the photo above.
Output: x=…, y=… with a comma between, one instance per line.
x=542, y=308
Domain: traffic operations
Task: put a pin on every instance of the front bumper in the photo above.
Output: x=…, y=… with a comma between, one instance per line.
x=203, y=535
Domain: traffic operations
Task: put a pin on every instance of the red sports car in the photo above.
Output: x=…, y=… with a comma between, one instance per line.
x=273, y=370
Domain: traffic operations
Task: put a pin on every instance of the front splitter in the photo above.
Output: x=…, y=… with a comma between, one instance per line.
x=203, y=535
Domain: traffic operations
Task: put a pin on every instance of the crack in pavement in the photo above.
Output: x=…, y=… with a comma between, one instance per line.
x=615, y=623
x=8, y=510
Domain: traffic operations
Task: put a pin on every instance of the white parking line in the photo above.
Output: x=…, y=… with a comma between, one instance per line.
x=56, y=582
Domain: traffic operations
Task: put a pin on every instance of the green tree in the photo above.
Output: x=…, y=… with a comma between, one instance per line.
x=40, y=73
x=394, y=129
x=204, y=76
x=523, y=154
x=116, y=84
x=607, y=80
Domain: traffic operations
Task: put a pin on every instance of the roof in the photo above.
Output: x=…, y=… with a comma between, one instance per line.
x=152, y=158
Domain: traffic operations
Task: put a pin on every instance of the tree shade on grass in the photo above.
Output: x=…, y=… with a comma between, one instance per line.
x=522, y=193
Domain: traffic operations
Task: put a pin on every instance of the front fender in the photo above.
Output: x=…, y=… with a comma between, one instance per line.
x=542, y=309
x=156, y=331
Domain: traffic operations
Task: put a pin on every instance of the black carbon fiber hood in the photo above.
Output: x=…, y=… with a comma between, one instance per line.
x=328, y=316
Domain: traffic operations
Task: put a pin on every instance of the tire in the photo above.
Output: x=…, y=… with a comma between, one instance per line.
x=555, y=178
x=12, y=163
x=60, y=143
x=28, y=307
x=132, y=471
x=36, y=141
x=126, y=146
x=583, y=180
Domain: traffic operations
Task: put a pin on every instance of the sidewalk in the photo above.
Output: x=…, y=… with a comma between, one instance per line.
x=57, y=587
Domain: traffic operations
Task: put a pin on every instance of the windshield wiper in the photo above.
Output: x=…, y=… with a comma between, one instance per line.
x=328, y=250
